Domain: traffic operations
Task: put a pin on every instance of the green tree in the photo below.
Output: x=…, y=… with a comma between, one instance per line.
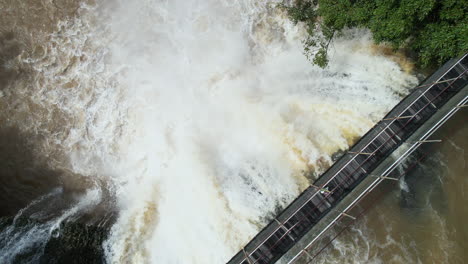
x=435, y=30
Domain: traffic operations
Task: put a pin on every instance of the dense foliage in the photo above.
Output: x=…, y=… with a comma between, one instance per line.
x=435, y=30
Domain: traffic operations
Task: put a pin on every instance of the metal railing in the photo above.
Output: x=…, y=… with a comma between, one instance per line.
x=317, y=200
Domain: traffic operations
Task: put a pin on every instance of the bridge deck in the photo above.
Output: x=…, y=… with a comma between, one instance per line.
x=323, y=199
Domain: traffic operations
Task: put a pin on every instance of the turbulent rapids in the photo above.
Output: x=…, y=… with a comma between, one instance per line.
x=184, y=125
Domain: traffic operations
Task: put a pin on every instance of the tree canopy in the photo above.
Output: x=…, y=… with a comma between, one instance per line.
x=435, y=30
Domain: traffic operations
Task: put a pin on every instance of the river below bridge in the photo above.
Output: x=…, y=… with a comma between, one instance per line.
x=423, y=220
x=191, y=123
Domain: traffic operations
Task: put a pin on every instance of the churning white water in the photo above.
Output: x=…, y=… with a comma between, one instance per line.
x=202, y=115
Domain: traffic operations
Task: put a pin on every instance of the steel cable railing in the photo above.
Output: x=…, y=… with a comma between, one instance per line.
x=284, y=235
x=308, y=216
x=363, y=149
x=362, y=213
x=430, y=102
x=389, y=170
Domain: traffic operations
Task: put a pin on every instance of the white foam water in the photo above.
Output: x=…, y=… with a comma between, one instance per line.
x=203, y=115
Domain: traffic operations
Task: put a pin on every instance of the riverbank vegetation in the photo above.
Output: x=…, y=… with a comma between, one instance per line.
x=432, y=30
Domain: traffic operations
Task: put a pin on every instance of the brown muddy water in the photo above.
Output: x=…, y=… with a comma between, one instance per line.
x=195, y=120
x=423, y=218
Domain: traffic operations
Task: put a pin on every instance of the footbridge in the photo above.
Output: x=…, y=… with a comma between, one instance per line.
x=294, y=235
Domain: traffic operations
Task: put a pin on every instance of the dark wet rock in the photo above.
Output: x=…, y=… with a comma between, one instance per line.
x=71, y=243
x=76, y=243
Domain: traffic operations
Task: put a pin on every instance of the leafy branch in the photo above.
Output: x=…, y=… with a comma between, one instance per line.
x=433, y=30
